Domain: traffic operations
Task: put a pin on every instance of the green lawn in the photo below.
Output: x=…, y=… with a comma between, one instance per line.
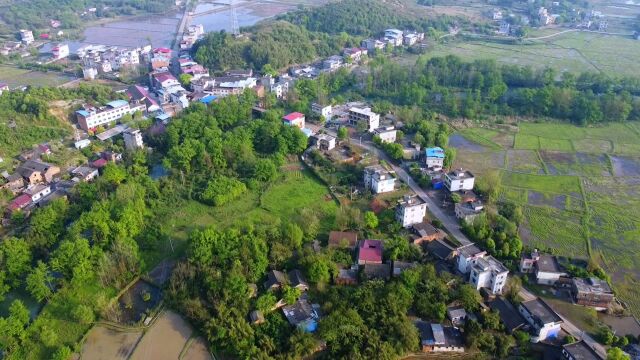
x=542, y=183
x=526, y=142
x=482, y=136
x=20, y=77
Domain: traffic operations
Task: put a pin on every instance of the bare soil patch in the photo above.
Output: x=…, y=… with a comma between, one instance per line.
x=197, y=351
x=106, y=344
x=625, y=166
x=460, y=142
x=165, y=339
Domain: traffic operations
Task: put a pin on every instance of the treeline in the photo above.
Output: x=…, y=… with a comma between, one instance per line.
x=457, y=88
x=279, y=44
x=364, y=18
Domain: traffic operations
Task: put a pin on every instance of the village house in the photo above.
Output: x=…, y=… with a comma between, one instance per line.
x=325, y=142
x=26, y=36
x=434, y=157
x=60, y=51
x=546, y=268
x=38, y=192
x=579, y=351
x=357, y=115
x=81, y=144
x=332, y=63
x=489, y=273
x=347, y=276
x=544, y=321
x=438, y=338
x=133, y=139
x=468, y=211
x=386, y=134
x=376, y=271
x=410, y=210
x=302, y=315
x=343, y=239
x=355, y=54
x=372, y=44
x=425, y=232
x=441, y=249
x=592, y=292
x=139, y=94
x=13, y=183
x=510, y=317
x=400, y=266
x=161, y=58
x=378, y=179
x=294, y=119
x=369, y=252
x=85, y=173
x=459, y=180
x=90, y=117
x=457, y=315
x=36, y=172
x=393, y=37
x=467, y=256
x=411, y=38
x=19, y=203
x=276, y=279
x=323, y=110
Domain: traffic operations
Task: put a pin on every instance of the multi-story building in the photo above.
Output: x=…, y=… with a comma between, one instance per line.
x=371, y=119
x=434, y=157
x=592, y=292
x=468, y=211
x=579, y=351
x=459, y=180
x=468, y=255
x=393, y=37
x=386, y=134
x=26, y=36
x=133, y=139
x=545, y=323
x=378, y=179
x=372, y=44
x=487, y=272
x=90, y=117
x=325, y=142
x=323, y=110
x=410, y=210
x=332, y=63
x=60, y=51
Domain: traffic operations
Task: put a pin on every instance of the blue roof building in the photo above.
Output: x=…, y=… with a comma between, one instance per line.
x=208, y=99
x=117, y=103
x=434, y=152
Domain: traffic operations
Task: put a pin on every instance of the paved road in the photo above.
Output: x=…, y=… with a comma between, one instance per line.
x=449, y=222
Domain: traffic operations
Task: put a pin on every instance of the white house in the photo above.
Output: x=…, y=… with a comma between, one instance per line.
x=393, y=36
x=545, y=322
x=26, y=36
x=548, y=270
x=294, y=119
x=89, y=73
x=81, y=144
x=357, y=115
x=60, y=51
x=38, y=192
x=323, y=110
x=434, y=157
x=90, y=117
x=410, y=210
x=467, y=256
x=325, y=142
x=387, y=134
x=459, y=180
x=133, y=139
x=332, y=63
x=468, y=211
x=378, y=179
x=487, y=272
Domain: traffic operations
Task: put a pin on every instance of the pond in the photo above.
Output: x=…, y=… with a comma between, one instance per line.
x=158, y=171
x=137, y=301
x=28, y=301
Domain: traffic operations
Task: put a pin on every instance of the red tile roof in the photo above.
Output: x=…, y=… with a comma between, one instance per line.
x=293, y=116
x=370, y=250
x=99, y=163
x=20, y=202
x=162, y=50
x=162, y=77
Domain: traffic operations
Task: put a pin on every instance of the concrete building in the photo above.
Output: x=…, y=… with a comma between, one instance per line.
x=378, y=179
x=434, y=157
x=90, y=117
x=468, y=255
x=294, y=119
x=439, y=339
x=323, y=110
x=89, y=73
x=580, y=351
x=325, y=142
x=372, y=44
x=544, y=321
x=332, y=63
x=393, y=37
x=547, y=270
x=357, y=115
x=487, y=272
x=410, y=210
x=133, y=139
x=60, y=51
x=468, y=211
x=459, y=180
x=38, y=192
x=386, y=134
x=26, y=36
x=592, y=292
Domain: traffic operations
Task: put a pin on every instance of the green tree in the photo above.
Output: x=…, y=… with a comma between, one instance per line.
x=469, y=297
x=266, y=302
x=63, y=353
x=15, y=257
x=615, y=353
x=290, y=294
x=83, y=314
x=185, y=79
x=39, y=282
x=48, y=336
x=370, y=220
x=293, y=234
x=343, y=133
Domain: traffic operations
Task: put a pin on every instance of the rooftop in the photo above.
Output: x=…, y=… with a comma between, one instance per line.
x=541, y=311
x=581, y=351
x=460, y=174
x=377, y=271
x=435, y=152
x=510, y=317
x=548, y=263
x=410, y=201
x=20, y=202
x=470, y=250
x=438, y=335
x=370, y=250
x=592, y=285
x=299, y=312
x=293, y=116
x=425, y=229
x=439, y=249
x=456, y=312
x=362, y=111
x=490, y=263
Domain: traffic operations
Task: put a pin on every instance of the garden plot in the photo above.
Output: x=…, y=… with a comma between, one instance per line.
x=525, y=161
x=626, y=149
x=547, y=184
x=625, y=166
x=504, y=139
x=106, y=344
x=479, y=162
x=560, y=202
x=463, y=144
x=595, y=146
x=552, y=131
x=550, y=228
x=197, y=350
x=482, y=137
x=526, y=142
x=165, y=339
x=561, y=163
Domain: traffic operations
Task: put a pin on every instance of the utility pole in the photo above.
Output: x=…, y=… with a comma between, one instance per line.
x=235, y=28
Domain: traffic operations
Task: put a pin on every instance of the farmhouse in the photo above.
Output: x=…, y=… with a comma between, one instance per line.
x=579, y=351
x=425, y=232
x=467, y=256
x=410, y=210
x=35, y=171
x=294, y=119
x=434, y=157
x=325, y=142
x=592, y=292
x=438, y=338
x=459, y=180
x=544, y=321
x=489, y=273
x=468, y=211
x=509, y=316
x=302, y=315
x=322, y=110
x=85, y=173
x=386, y=135
x=38, y=192
x=357, y=115
x=370, y=252
x=378, y=179
x=457, y=315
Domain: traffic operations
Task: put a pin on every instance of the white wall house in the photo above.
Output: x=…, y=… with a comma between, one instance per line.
x=487, y=272
x=90, y=117
x=545, y=322
x=38, y=192
x=410, y=210
x=387, y=134
x=324, y=110
x=133, y=139
x=378, y=179
x=459, y=180
x=434, y=157
x=371, y=119
x=467, y=256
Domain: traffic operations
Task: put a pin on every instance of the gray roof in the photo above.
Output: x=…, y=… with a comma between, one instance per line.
x=548, y=263
x=438, y=335
x=469, y=250
x=424, y=229
x=296, y=279
x=377, y=271
x=456, y=312
x=541, y=311
x=275, y=277
x=299, y=312
x=592, y=285
x=439, y=249
x=581, y=351
x=510, y=317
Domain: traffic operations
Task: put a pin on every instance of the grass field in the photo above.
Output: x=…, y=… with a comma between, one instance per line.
x=14, y=77
x=580, y=189
x=574, y=51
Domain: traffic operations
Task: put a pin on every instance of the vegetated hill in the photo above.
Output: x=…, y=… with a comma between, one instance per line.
x=279, y=44
x=363, y=17
x=36, y=14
